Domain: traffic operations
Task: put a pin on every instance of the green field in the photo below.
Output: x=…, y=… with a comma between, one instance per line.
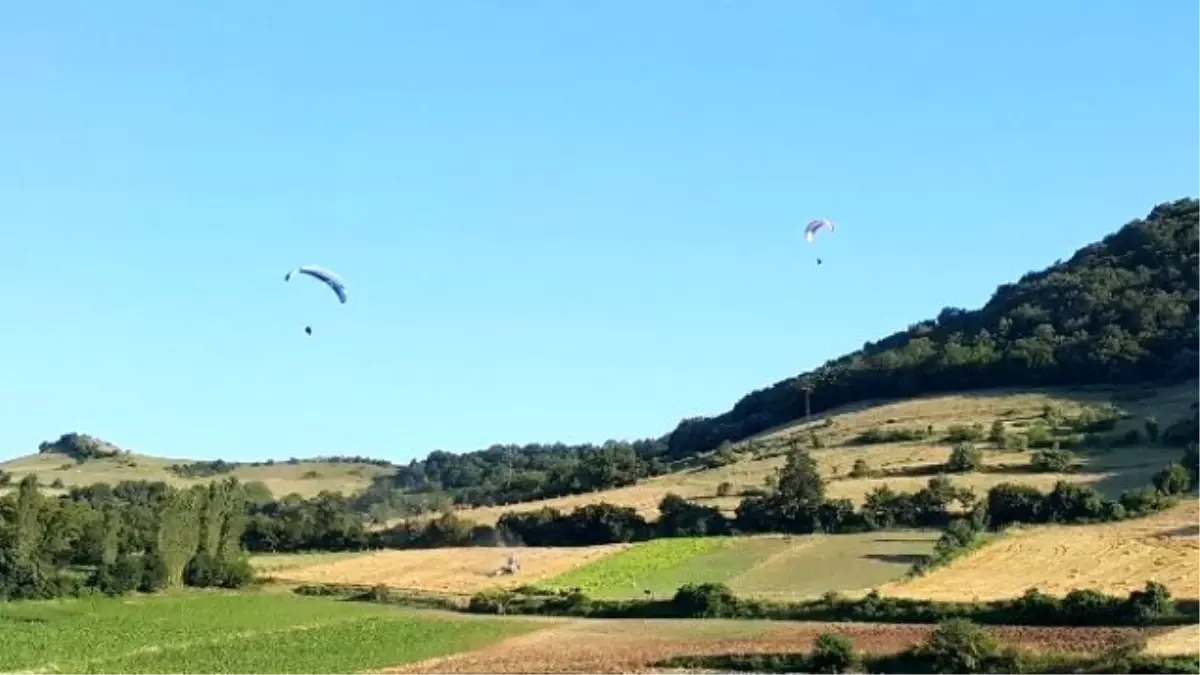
x=211, y=633
x=769, y=566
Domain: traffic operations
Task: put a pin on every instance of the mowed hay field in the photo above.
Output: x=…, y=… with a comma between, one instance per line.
x=638, y=646
x=772, y=567
x=227, y=633
x=452, y=571
x=1110, y=471
x=1115, y=558
x=304, y=478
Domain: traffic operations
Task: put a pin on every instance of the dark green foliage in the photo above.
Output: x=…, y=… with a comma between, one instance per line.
x=1152, y=429
x=1009, y=503
x=959, y=646
x=681, y=518
x=588, y=525
x=1052, y=461
x=964, y=457
x=203, y=469
x=713, y=600
x=80, y=447
x=997, y=434
x=962, y=433
x=1173, y=480
x=505, y=474
x=1119, y=311
x=832, y=653
x=705, y=601
x=137, y=536
x=205, y=570
x=1191, y=462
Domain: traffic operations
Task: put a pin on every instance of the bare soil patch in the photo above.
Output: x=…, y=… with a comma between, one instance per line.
x=629, y=646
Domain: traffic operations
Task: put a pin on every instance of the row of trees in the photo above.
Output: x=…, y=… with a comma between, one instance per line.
x=138, y=536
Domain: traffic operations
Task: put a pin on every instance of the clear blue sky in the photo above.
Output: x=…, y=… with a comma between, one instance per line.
x=557, y=220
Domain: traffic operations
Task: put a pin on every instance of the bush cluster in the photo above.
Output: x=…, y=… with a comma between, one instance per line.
x=1152, y=605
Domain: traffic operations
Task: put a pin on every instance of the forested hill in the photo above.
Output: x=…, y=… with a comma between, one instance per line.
x=1121, y=310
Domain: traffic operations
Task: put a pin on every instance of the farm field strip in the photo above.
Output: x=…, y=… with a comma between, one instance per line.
x=662, y=565
x=1114, y=558
x=446, y=570
x=772, y=566
x=636, y=645
x=844, y=563
x=231, y=633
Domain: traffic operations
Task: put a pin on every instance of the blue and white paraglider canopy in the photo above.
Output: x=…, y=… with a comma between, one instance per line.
x=321, y=274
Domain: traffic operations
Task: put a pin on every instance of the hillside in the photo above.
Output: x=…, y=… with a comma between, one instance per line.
x=1119, y=311
x=58, y=471
x=906, y=465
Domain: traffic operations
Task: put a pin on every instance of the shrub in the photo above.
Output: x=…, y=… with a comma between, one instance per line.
x=860, y=469
x=1173, y=480
x=962, y=433
x=724, y=489
x=832, y=653
x=959, y=646
x=1152, y=429
x=707, y=600
x=964, y=457
x=1052, y=461
x=997, y=435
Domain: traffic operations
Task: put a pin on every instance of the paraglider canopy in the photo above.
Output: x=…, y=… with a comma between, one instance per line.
x=321, y=274
x=810, y=231
x=813, y=226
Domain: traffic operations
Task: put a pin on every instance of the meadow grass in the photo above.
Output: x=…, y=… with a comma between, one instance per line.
x=199, y=632
x=773, y=566
x=660, y=566
x=813, y=565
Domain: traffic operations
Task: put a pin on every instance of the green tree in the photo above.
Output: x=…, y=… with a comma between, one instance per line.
x=1173, y=480
x=964, y=457
x=833, y=653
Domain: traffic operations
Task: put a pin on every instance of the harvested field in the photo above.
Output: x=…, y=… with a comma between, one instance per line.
x=1180, y=641
x=1114, y=557
x=447, y=570
x=634, y=646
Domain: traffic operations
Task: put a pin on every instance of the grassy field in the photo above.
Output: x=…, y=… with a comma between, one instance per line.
x=775, y=567
x=211, y=633
x=1112, y=557
x=1110, y=471
x=275, y=633
x=306, y=478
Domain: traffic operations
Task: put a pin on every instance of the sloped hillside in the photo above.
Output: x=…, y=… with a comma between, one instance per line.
x=56, y=470
x=1121, y=310
x=907, y=464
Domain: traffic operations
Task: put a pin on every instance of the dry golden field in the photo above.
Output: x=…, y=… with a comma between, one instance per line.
x=453, y=571
x=282, y=478
x=1112, y=557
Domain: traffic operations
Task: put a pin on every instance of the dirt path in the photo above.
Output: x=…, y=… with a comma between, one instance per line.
x=633, y=646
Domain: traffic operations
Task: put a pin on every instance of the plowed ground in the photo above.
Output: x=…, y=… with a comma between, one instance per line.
x=629, y=646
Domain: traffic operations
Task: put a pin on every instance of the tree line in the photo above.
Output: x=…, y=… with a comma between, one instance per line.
x=137, y=536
